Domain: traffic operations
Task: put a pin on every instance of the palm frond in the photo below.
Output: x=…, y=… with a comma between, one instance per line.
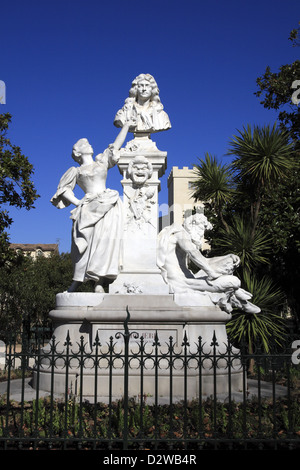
x=214, y=181
x=265, y=328
x=239, y=239
x=264, y=154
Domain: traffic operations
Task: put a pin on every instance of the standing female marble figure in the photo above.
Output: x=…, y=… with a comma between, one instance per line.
x=144, y=106
x=97, y=218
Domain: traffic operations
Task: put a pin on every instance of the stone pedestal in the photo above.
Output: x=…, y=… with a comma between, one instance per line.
x=85, y=317
x=139, y=270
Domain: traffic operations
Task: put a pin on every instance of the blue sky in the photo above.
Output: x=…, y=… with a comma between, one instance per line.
x=68, y=65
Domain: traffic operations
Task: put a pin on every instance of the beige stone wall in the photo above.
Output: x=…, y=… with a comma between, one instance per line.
x=180, y=192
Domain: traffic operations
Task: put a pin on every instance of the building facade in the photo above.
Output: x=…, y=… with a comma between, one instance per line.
x=36, y=249
x=180, y=200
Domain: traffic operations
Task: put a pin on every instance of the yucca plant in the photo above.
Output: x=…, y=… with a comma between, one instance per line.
x=214, y=184
x=238, y=239
x=265, y=328
x=263, y=156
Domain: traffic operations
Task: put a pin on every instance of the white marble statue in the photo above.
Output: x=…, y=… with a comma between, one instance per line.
x=139, y=170
x=179, y=243
x=97, y=218
x=140, y=195
x=144, y=105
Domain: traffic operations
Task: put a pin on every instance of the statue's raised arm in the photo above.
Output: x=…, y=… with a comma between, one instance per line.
x=97, y=217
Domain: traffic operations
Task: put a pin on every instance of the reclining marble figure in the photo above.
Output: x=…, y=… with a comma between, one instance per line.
x=179, y=243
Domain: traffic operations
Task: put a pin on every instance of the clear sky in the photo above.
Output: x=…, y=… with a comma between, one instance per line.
x=68, y=66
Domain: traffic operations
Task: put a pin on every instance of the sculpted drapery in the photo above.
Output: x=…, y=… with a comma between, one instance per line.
x=98, y=217
x=97, y=220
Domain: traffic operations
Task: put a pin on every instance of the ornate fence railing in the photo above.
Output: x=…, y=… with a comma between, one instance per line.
x=94, y=396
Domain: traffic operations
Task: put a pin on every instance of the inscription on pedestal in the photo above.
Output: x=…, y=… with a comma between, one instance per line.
x=136, y=334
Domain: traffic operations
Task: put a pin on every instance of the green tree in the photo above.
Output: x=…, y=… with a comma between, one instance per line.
x=253, y=250
x=16, y=185
x=263, y=156
x=280, y=215
x=267, y=329
x=262, y=223
x=28, y=288
x=263, y=161
x=214, y=185
x=275, y=90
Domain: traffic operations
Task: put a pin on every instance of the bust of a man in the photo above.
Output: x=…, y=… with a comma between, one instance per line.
x=143, y=106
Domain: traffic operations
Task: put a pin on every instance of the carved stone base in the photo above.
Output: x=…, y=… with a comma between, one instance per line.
x=135, y=282
x=97, y=321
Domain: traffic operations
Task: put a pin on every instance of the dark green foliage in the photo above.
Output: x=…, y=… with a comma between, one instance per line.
x=282, y=203
x=260, y=221
x=16, y=186
x=214, y=185
x=262, y=154
x=28, y=288
x=275, y=91
x=267, y=329
x=262, y=157
x=249, y=220
x=238, y=239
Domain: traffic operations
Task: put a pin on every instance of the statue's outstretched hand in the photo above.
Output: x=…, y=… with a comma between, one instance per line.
x=222, y=265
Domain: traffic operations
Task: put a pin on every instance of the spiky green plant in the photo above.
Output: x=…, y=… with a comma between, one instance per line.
x=214, y=184
x=238, y=239
x=265, y=328
x=263, y=156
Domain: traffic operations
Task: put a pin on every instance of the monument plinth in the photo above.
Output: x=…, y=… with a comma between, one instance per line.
x=141, y=164
x=91, y=319
x=142, y=281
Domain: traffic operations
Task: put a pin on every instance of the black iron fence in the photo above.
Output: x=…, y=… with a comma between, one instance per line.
x=135, y=394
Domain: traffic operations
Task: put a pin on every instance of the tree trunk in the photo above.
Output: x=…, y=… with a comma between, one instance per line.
x=255, y=208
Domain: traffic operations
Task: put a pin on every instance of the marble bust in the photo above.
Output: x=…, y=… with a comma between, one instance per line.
x=144, y=106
